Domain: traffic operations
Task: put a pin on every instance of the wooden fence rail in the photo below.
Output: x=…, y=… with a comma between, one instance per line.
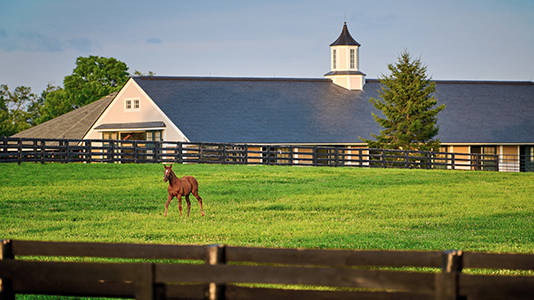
x=231, y=272
x=21, y=150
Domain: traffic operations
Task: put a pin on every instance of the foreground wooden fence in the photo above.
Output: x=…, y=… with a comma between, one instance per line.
x=21, y=150
x=223, y=272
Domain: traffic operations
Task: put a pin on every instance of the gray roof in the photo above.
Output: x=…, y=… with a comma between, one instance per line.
x=258, y=110
x=72, y=125
x=278, y=110
x=486, y=112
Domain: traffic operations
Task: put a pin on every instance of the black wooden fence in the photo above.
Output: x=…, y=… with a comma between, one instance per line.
x=21, y=150
x=235, y=272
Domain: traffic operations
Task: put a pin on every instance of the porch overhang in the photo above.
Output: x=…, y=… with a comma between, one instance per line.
x=139, y=126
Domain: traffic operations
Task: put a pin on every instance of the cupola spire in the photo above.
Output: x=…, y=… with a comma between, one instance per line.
x=344, y=59
x=345, y=39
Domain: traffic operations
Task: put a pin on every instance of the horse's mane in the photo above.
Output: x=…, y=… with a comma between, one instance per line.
x=172, y=175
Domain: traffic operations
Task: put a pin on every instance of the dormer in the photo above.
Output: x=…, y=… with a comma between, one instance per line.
x=344, y=62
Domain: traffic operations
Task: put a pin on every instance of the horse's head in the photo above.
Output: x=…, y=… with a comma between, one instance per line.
x=167, y=174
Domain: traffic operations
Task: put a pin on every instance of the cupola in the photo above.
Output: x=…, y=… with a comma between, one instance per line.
x=344, y=62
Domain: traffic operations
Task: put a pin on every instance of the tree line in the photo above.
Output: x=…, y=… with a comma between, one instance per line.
x=93, y=78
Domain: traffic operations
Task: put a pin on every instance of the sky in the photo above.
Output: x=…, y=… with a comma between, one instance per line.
x=456, y=39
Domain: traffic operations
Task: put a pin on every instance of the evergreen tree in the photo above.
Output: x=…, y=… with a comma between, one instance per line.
x=408, y=105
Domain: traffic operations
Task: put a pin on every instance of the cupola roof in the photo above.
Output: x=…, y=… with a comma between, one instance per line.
x=345, y=39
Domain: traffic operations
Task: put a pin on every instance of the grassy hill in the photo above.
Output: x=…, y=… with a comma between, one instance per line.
x=269, y=206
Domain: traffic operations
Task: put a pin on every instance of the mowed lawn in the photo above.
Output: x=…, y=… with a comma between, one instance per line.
x=272, y=206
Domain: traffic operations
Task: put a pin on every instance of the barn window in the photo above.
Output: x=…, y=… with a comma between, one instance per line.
x=110, y=135
x=132, y=104
x=154, y=135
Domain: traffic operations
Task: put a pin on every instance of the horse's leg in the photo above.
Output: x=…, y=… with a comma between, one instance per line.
x=167, y=204
x=179, y=196
x=195, y=193
x=188, y=204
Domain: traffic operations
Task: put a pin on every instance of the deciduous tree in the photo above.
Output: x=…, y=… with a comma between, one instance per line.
x=93, y=78
x=55, y=103
x=18, y=109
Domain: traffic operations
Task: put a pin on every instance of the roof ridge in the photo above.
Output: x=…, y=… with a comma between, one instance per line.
x=445, y=81
x=503, y=82
x=206, y=78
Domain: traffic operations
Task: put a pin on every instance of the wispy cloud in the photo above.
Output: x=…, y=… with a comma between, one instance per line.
x=153, y=40
x=35, y=42
x=29, y=42
x=81, y=44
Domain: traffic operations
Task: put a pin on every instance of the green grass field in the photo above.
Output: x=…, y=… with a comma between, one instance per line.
x=269, y=206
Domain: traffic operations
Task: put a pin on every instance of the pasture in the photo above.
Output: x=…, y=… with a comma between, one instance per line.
x=272, y=206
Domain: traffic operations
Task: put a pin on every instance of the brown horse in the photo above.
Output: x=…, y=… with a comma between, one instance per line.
x=179, y=187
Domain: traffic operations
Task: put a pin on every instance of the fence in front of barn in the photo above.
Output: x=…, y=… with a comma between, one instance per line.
x=22, y=150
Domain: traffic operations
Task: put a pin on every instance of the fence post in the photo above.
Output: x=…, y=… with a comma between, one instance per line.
x=34, y=150
x=156, y=147
x=6, y=284
x=112, y=145
x=180, y=154
x=223, y=153
x=68, y=151
x=43, y=151
x=145, y=288
x=90, y=152
x=19, y=150
x=215, y=255
x=3, y=146
x=447, y=282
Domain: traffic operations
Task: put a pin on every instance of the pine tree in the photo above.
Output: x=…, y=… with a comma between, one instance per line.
x=407, y=102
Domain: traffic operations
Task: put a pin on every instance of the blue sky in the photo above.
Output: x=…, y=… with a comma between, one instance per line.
x=463, y=40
